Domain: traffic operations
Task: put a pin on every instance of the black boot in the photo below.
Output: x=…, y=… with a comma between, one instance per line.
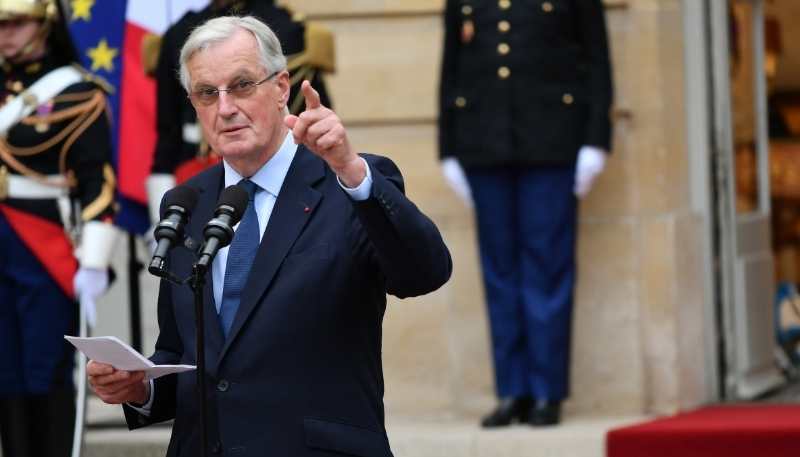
x=52, y=421
x=14, y=431
x=545, y=412
x=509, y=409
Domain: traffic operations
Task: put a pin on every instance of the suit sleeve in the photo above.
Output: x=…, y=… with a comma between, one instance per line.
x=407, y=248
x=448, y=79
x=169, y=350
x=594, y=42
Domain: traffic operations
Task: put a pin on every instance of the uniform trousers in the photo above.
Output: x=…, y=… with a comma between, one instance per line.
x=526, y=220
x=37, y=397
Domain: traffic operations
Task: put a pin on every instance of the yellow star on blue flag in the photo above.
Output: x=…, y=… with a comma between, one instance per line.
x=102, y=56
x=81, y=9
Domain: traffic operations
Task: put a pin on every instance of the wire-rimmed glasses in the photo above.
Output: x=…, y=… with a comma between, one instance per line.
x=239, y=90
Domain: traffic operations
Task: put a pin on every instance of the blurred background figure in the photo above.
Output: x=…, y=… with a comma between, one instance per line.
x=524, y=130
x=56, y=189
x=181, y=151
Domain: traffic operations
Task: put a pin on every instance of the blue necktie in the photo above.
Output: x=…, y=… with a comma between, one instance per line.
x=240, y=259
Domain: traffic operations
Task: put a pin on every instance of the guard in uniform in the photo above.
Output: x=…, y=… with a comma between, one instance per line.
x=181, y=151
x=56, y=206
x=524, y=129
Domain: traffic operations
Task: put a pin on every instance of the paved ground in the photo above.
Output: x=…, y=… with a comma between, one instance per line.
x=576, y=437
x=409, y=437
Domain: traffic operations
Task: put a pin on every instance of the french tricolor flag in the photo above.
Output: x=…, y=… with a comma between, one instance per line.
x=108, y=36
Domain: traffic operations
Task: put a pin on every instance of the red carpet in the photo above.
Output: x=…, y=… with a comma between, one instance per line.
x=729, y=431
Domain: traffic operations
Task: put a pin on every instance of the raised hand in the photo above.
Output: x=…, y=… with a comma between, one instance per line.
x=321, y=131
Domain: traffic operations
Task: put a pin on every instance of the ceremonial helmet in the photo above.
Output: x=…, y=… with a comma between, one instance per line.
x=39, y=9
x=46, y=11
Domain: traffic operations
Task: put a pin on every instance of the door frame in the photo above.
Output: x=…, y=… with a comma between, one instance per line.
x=745, y=272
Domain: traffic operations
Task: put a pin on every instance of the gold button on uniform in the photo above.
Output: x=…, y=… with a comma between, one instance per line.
x=466, y=9
x=503, y=26
x=461, y=102
x=547, y=7
x=17, y=86
x=503, y=72
x=504, y=4
x=568, y=99
x=503, y=48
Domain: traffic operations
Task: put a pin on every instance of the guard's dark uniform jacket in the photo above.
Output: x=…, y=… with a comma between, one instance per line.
x=524, y=82
x=68, y=135
x=174, y=109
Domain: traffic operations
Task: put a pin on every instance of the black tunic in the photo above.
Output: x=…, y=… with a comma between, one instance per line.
x=88, y=159
x=524, y=82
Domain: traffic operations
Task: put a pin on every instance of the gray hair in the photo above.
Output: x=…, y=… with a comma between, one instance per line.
x=222, y=28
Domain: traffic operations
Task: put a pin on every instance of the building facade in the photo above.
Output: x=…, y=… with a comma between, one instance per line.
x=656, y=325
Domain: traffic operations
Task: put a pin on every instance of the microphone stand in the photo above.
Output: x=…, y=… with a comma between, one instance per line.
x=196, y=283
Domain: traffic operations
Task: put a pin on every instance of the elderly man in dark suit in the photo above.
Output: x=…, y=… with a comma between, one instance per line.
x=295, y=360
x=524, y=129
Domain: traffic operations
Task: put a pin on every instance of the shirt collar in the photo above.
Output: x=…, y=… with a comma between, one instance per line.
x=271, y=175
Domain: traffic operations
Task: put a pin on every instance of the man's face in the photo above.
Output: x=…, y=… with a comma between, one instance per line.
x=246, y=132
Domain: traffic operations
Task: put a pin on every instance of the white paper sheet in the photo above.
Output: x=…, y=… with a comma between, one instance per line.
x=112, y=351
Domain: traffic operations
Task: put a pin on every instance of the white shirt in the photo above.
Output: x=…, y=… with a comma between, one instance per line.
x=269, y=179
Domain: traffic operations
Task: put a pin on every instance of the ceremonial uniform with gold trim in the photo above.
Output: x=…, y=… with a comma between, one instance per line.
x=65, y=144
x=525, y=85
x=63, y=148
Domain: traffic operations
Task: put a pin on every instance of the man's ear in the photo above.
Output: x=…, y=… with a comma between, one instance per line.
x=283, y=87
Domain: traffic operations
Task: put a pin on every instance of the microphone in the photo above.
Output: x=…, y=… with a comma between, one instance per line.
x=169, y=232
x=219, y=230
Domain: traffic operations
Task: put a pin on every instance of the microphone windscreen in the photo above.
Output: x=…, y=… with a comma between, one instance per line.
x=235, y=197
x=186, y=197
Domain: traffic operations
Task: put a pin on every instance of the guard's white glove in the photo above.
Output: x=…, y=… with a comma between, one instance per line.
x=157, y=185
x=90, y=284
x=591, y=162
x=94, y=255
x=457, y=180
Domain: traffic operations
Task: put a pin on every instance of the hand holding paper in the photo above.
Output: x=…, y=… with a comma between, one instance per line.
x=112, y=351
x=117, y=373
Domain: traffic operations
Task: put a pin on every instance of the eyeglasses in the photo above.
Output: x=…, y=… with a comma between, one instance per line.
x=240, y=90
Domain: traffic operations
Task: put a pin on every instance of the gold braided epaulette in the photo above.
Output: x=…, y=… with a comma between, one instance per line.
x=91, y=105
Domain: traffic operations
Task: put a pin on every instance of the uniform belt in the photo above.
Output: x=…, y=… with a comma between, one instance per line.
x=26, y=188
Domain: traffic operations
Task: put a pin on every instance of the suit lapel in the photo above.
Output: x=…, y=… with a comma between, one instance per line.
x=289, y=217
x=209, y=190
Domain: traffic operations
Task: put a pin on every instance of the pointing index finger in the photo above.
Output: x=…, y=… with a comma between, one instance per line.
x=312, y=96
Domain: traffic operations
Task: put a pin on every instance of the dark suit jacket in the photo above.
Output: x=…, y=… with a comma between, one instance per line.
x=300, y=373
x=524, y=82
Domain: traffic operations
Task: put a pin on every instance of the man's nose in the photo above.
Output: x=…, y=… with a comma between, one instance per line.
x=227, y=105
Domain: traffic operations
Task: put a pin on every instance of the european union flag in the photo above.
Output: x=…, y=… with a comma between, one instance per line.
x=98, y=29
